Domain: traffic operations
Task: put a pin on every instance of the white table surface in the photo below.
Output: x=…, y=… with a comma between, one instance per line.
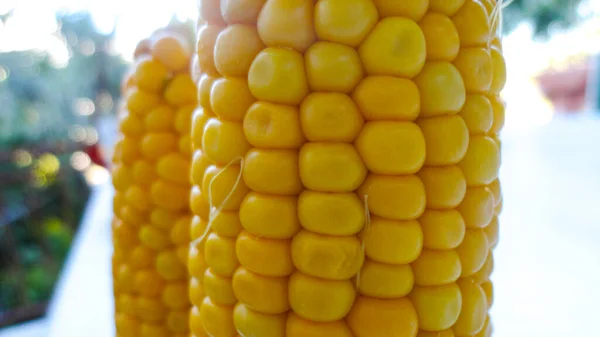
x=547, y=265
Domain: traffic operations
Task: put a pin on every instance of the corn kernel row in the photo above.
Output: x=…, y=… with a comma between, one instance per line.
x=345, y=168
x=150, y=176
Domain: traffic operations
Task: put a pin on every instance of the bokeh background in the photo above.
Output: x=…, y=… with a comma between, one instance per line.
x=61, y=64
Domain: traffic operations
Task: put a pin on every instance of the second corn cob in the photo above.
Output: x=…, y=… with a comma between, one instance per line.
x=345, y=168
x=151, y=169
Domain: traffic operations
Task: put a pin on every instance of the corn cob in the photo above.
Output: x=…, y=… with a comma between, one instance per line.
x=345, y=168
x=151, y=170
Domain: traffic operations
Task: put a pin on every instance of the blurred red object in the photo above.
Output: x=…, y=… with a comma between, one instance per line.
x=566, y=88
x=95, y=153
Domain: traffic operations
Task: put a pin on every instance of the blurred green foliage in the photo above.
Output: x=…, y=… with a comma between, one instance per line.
x=42, y=96
x=543, y=15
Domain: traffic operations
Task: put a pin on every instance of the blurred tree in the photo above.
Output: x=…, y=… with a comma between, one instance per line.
x=44, y=95
x=544, y=15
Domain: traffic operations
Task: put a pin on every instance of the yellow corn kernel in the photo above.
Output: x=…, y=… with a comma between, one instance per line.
x=413, y=9
x=172, y=51
x=448, y=7
x=141, y=257
x=491, y=232
x=442, y=89
x=224, y=187
x=144, y=172
x=148, y=283
x=200, y=162
x=442, y=229
x=499, y=114
x=252, y=251
x=382, y=280
x=162, y=218
x=477, y=114
x=178, y=322
x=441, y=37
x=196, y=326
x=484, y=273
x=438, y=307
x=198, y=227
x=477, y=208
x=277, y=75
x=169, y=266
x=446, y=139
x=131, y=125
x=481, y=162
x=150, y=74
x=219, y=288
x=445, y=186
x=224, y=141
x=383, y=317
x=393, y=148
x=320, y=300
x=380, y=56
x=126, y=304
x=241, y=11
x=200, y=117
x=235, y=49
x=270, y=216
x=387, y=98
x=175, y=295
x=180, y=232
x=251, y=322
x=196, y=291
x=160, y=119
x=137, y=197
x=210, y=11
x=444, y=333
x=204, y=86
x=196, y=262
x=156, y=145
x=297, y=326
x=328, y=257
x=153, y=238
x=265, y=294
x=216, y=319
x=472, y=24
x=330, y=117
x=273, y=126
x=344, y=21
x=183, y=119
x=331, y=213
x=139, y=102
x=394, y=197
x=181, y=90
x=227, y=223
x=150, y=309
x=220, y=254
x=287, y=23
x=488, y=289
x=230, y=98
x=393, y=241
x=207, y=38
x=174, y=167
x=331, y=167
x=472, y=251
x=272, y=171
x=332, y=67
x=499, y=66
x=436, y=267
x=475, y=66
x=127, y=325
x=170, y=196
x=473, y=311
